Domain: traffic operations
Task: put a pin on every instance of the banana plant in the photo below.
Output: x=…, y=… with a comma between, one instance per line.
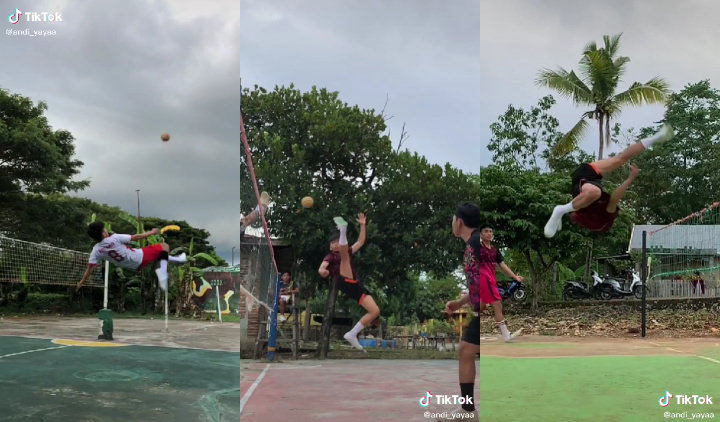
x=189, y=270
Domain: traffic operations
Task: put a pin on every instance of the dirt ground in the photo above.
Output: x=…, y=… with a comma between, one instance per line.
x=534, y=346
x=147, y=332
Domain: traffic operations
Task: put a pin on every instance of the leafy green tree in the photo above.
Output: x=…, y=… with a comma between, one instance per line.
x=680, y=177
x=596, y=86
x=34, y=158
x=312, y=144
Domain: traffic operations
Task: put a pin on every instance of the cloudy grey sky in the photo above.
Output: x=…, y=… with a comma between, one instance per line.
x=674, y=40
x=117, y=75
x=423, y=54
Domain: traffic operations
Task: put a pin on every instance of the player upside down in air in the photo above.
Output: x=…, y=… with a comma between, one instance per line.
x=479, y=262
x=251, y=218
x=592, y=207
x=338, y=263
x=113, y=248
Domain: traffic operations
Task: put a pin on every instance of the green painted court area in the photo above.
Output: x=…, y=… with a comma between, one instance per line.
x=46, y=381
x=600, y=388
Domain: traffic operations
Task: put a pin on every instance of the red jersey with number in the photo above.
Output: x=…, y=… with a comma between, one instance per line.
x=595, y=216
x=114, y=250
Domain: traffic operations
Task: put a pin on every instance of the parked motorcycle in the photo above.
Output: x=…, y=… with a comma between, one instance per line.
x=580, y=289
x=515, y=290
x=630, y=285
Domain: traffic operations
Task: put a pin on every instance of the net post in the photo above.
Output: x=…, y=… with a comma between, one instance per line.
x=166, y=305
x=273, y=320
x=217, y=296
x=643, y=277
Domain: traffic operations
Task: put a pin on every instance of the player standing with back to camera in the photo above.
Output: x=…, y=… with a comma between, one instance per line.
x=592, y=207
x=481, y=258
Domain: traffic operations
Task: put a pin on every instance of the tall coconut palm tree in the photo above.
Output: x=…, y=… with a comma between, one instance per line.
x=600, y=72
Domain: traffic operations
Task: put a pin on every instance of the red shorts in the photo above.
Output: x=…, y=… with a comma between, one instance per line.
x=595, y=216
x=489, y=291
x=151, y=254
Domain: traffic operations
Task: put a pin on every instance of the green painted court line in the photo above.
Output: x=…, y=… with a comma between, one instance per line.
x=609, y=388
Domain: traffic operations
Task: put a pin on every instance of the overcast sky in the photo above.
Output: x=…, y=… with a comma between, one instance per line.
x=422, y=54
x=672, y=39
x=118, y=74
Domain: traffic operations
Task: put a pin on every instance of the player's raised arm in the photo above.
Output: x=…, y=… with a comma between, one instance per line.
x=361, y=239
x=136, y=237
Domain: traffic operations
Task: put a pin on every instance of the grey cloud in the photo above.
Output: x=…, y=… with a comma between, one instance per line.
x=118, y=75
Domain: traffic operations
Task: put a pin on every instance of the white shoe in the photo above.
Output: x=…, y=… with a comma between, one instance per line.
x=264, y=199
x=513, y=336
x=459, y=414
x=665, y=133
x=340, y=222
x=180, y=259
x=282, y=318
x=554, y=223
x=352, y=339
x=162, y=279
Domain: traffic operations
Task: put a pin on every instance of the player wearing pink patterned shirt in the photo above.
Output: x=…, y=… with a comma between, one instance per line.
x=479, y=262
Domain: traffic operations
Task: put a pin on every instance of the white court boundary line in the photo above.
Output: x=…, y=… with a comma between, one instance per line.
x=685, y=353
x=254, y=385
x=39, y=350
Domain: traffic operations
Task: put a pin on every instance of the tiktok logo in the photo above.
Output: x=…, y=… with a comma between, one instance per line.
x=665, y=400
x=425, y=401
x=15, y=17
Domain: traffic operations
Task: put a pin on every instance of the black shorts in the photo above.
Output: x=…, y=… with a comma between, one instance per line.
x=471, y=334
x=352, y=289
x=586, y=173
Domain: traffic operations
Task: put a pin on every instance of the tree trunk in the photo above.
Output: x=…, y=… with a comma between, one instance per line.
x=607, y=131
x=601, y=131
x=534, y=279
x=588, y=260
x=324, y=344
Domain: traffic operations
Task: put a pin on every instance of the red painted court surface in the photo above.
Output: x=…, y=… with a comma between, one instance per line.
x=343, y=390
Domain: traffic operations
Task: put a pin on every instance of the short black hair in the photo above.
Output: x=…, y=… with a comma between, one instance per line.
x=95, y=230
x=469, y=214
x=485, y=226
x=335, y=237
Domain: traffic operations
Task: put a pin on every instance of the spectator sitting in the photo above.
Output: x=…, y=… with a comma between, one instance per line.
x=288, y=289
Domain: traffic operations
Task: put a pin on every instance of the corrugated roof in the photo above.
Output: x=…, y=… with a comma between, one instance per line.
x=698, y=237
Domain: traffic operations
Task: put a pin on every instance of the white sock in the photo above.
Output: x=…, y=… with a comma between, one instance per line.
x=566, y=209
x=503, y=329
x=258, y=209
x=343, y=236
x=357, y=328
x=163, y=266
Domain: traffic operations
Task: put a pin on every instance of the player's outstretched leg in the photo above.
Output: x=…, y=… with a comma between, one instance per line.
x=251, y=218
x=591, y=174
x=353, y=288
x=161, y=272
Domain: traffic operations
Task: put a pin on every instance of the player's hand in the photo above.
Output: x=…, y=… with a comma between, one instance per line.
x=452, y=306
x=361, y=219
x=324, y=273
x=154, y=231
x=518, y=278
x=634, y=170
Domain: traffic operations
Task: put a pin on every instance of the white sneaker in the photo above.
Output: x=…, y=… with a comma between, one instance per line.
x=665, y=133
x=554, y=223
x=459, y=414
x=352, y=339
x=162, y=279
x=282, y=318
x=264, y=199
x=513, y=336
